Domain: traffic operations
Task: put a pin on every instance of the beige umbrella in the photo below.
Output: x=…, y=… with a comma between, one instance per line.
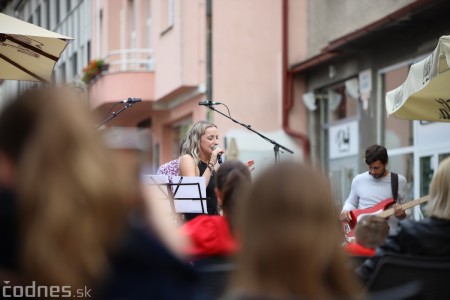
x=27, y=51
x=425, y=95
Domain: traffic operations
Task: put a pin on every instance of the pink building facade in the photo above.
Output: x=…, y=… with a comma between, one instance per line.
x=309, y=74
x=158, y=51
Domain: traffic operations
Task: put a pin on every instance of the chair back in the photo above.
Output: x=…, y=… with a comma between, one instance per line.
x=356, y=260
x=214, y=273
x=394, y=270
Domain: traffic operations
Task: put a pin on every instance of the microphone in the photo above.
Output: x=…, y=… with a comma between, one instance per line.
x=219, y=156
x=208, y=103
x=131, y=100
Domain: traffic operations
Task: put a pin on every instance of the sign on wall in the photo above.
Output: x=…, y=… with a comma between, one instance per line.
x=344, y=140
x=365, y=87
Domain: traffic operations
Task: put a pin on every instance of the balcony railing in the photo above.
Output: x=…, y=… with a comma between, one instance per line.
x=132, y=59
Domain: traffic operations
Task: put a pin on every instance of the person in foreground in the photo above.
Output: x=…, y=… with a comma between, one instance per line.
x=290, y=246
x=372, y=187
x=370, y=232
x=73, y=209
x=213, y=242
x=427, y=237
x=199, y=157
x=213, y=235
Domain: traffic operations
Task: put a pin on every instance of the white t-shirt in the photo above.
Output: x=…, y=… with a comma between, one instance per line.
x=367, y=191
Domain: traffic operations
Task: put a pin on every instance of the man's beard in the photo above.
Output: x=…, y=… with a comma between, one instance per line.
x=378, y=176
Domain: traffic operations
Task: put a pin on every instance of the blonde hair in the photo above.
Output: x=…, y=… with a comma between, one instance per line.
x=290, y=237
x=439, y=204
x=191, y=145
x=71, y=206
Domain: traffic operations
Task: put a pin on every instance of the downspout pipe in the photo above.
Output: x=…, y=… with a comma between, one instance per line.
x=287, y=86
x=209, y=65
x=209, y=57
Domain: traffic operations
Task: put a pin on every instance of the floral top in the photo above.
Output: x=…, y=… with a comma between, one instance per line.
x=171, y=168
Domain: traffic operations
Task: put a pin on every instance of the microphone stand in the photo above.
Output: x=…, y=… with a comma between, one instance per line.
x=114, y=114
x=276, y=147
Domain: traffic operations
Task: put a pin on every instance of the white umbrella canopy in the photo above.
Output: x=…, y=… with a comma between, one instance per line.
x=425, y=95
x=27, y=51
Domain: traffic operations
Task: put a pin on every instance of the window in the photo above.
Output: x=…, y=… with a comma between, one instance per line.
x=167, y=14
x=427, y=166
x=426, y=174
x=47, y=15
x=74, y=63
x=58, y=16
x=342, y=101
x=404, y=164
x=38, y=16
x=132, y=18
x=149, y=23
x=98, y=49
x=170, y=17
x=397, y=133
x=88, y=51
x=397, y=136
x=336, y=125
x=62, y=71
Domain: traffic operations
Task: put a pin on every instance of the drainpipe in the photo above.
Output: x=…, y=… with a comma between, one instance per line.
x=209, y=63
x=287, y=86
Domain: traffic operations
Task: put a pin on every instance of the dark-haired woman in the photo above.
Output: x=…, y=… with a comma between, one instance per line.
x=213, y=235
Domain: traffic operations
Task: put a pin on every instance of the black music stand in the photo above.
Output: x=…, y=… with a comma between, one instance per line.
x=184, y=194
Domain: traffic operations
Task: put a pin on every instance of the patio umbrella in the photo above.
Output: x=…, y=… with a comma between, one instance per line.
x=425, y=95
x=27, y=51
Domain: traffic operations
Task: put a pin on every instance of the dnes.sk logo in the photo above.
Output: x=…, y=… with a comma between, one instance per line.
x=41, y=291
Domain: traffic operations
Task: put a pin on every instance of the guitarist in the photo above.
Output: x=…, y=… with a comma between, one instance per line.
x=374, y=186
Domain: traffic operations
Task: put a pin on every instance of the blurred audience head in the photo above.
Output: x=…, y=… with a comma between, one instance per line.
x=129, y=148
x=439, y=204
x=70, y=204
x=191, y=145
x=371, y=231
x=232, y=180
x=17, y=122
x=290, y=237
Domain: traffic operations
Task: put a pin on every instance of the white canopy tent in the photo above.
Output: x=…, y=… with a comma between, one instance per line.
x=27, y=51
x=425, y=95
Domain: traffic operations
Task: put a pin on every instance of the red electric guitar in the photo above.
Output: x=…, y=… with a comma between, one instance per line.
x=382, y=209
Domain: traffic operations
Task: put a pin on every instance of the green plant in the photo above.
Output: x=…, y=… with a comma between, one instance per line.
x=94, y=68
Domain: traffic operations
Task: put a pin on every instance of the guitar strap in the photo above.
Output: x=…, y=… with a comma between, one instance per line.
x=394, y=185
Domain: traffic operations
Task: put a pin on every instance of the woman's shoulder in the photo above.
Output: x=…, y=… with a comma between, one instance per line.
x=186, y=158
x=188, y=167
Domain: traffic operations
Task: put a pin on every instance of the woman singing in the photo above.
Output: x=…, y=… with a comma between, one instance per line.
x=200, y=158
